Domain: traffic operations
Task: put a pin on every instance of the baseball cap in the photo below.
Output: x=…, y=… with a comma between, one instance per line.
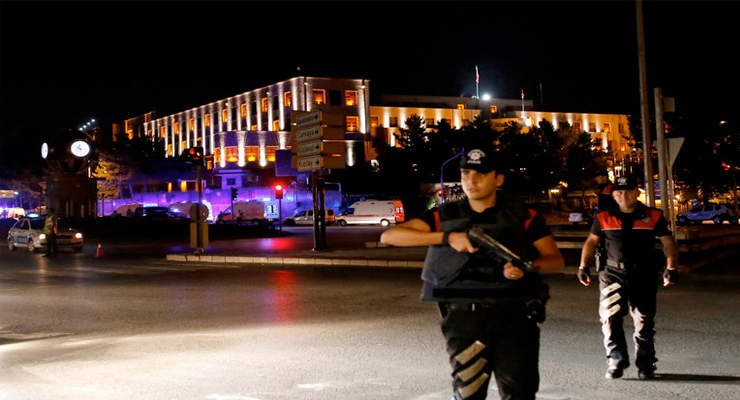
x=480, y=159
x=625, y=183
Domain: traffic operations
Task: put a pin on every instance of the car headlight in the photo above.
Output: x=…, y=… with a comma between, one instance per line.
x=78, y=235
x=42, y=236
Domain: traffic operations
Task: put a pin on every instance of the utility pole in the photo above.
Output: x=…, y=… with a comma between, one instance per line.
x=647, y=147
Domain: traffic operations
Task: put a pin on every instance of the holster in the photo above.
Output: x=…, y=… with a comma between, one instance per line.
x=599, y=260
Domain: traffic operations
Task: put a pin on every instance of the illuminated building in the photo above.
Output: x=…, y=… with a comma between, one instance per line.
x=243, y=132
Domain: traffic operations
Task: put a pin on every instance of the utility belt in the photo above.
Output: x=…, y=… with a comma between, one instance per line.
x=533, y=309
x=602, y=263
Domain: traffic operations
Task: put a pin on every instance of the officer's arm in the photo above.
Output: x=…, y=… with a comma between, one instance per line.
x=589, y=249
x=670, y=250
x=414, y=232
x=417, y=233
x=551, y=260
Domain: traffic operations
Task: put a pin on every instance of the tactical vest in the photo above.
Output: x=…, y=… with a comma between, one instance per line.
x=633, y=245
x=453, y=276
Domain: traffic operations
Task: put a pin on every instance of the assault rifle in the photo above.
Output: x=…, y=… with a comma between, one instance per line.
x=477, y=235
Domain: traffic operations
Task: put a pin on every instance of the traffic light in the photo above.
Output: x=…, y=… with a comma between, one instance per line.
x=278, y=192
x=234, y=195
x=194, y=156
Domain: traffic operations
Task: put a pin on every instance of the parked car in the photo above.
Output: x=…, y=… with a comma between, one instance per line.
x=717, y=213
x=305, y=217
x=585, y=216
x=29, y=233
x=155, y=213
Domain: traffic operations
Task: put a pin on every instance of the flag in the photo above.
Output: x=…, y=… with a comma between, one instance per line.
x=477, y=76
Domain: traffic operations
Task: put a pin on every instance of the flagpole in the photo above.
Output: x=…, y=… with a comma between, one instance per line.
x=477, y=79
x=522, y=100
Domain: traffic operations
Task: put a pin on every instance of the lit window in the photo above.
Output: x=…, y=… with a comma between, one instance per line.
x=149, y=132
x=183, y=145
x=251, y=153
x=244, y=110
x=208, y=119
x=353, y=124
x=217, y=156
x=232, y=154
x=607, y=127
x=319, y=96
x=270, y=153
x=264, y=104
x=276, y=125
x=393, y=122
x=224, y=115
x=191, y=124
x=374, y=121
x=254, y=127
x=288, y=99
x=169, y=150
x=461, y=106
x=494, y=109
x=177, y=128
x=350, y=97
x=162, y=132
x=622, y=145
x=591, y=127
x=577, y=127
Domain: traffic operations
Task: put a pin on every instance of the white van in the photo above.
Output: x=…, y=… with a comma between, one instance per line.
x=249, y=212
x=383, y=212
x=305, y=217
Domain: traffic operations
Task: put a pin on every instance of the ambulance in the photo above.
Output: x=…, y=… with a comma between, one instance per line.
x=249, y=212
x=372, y=212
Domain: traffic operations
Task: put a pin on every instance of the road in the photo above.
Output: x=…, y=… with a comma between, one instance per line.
x=133, y=327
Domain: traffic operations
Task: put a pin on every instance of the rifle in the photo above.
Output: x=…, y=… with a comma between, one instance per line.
x=476, y=234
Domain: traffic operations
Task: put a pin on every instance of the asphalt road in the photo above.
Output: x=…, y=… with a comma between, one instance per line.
x=80, y=327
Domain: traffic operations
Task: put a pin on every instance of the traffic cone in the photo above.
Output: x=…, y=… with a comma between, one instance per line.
x=99, y=253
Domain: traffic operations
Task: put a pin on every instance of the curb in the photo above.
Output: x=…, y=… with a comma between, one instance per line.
x=293, y=260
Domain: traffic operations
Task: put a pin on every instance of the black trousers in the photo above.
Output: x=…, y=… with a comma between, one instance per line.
x=51, y=243
x=634, y=292
x=484, y=342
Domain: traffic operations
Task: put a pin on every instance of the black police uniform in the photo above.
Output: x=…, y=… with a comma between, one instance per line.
x=486, y=323
x=628, y=281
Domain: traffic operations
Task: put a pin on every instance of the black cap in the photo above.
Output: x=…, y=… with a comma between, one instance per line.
x=625, y=183
x=480, y=159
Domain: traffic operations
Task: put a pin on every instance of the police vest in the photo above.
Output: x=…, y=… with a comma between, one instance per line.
x=634, y=245
x=453, y=276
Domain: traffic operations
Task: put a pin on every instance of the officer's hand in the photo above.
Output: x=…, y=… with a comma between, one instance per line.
x=670, y=276
x=584, y=275
x=460, y=242
x=512, y=273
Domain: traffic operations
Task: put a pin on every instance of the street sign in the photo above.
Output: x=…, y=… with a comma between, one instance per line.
x=320, y=147
x=317, y=162
x=310, y=151
x=674, y=145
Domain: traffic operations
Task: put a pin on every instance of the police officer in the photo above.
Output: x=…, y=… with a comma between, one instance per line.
x=490, y=307
x=51, y=226
x=628, y=275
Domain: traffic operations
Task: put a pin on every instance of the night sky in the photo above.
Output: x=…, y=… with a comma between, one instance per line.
x=63, y=63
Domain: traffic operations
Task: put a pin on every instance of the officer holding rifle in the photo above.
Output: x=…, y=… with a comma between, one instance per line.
x=486, y=253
